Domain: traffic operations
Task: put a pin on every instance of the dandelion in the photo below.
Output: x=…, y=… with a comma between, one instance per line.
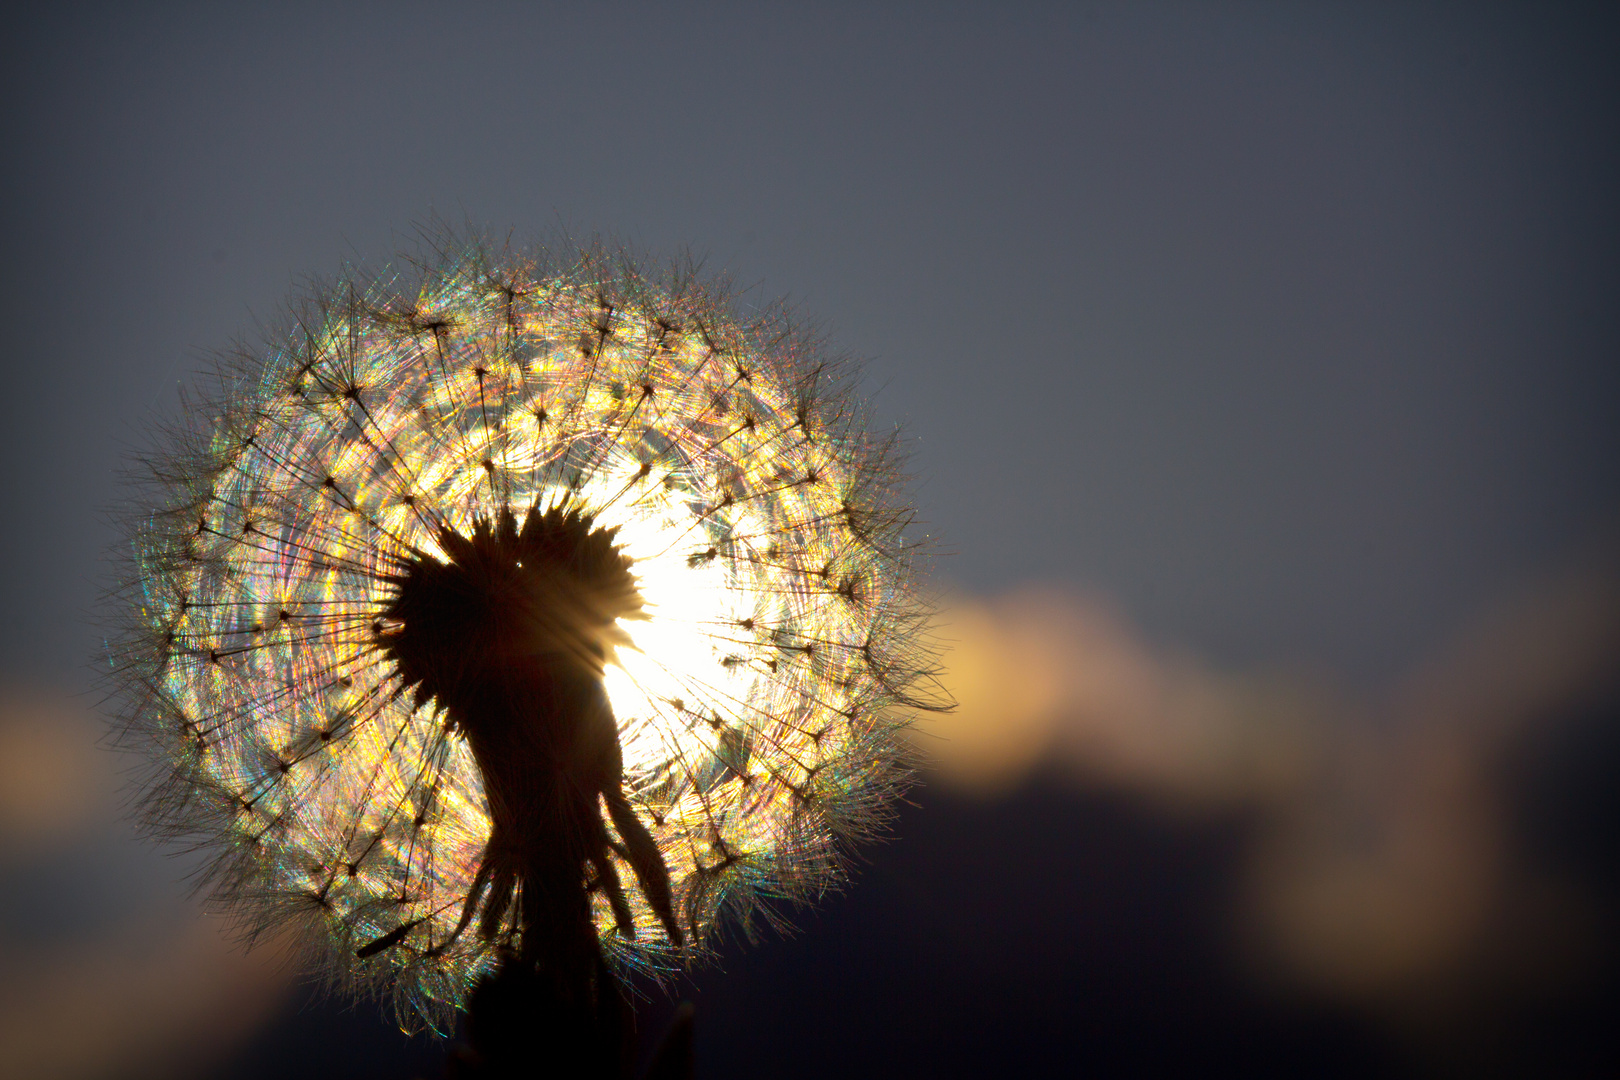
x=517, y=610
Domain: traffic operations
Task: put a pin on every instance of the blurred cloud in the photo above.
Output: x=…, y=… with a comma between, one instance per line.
x=1043, y=674
x=126, y=979
x=1383, y=866
x=160, y=999
x=53, y=783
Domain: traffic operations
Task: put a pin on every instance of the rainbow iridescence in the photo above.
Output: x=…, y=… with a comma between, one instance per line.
x=759, y=704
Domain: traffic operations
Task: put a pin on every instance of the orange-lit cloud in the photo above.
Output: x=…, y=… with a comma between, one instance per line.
x=157, y=990
x=160, y=999
x=1045, y=675
x=1381, y=865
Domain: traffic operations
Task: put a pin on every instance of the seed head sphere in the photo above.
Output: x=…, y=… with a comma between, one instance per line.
x=513, y=589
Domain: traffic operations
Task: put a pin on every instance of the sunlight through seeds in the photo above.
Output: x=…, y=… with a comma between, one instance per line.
x=759, y=688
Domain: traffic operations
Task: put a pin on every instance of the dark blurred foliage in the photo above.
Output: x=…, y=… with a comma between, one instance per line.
x=1567, y=791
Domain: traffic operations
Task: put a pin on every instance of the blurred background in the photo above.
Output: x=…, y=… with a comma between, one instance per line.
x=1259, y=366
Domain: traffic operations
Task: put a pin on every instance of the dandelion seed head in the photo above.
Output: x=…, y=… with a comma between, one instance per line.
x=760, y=662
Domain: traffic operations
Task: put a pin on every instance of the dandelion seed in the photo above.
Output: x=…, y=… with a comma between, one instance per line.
x=523, y=597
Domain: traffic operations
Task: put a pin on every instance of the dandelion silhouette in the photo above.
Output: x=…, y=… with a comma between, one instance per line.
x=529, y=615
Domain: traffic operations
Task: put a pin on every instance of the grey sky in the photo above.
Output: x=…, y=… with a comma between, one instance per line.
x=1292, y=329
